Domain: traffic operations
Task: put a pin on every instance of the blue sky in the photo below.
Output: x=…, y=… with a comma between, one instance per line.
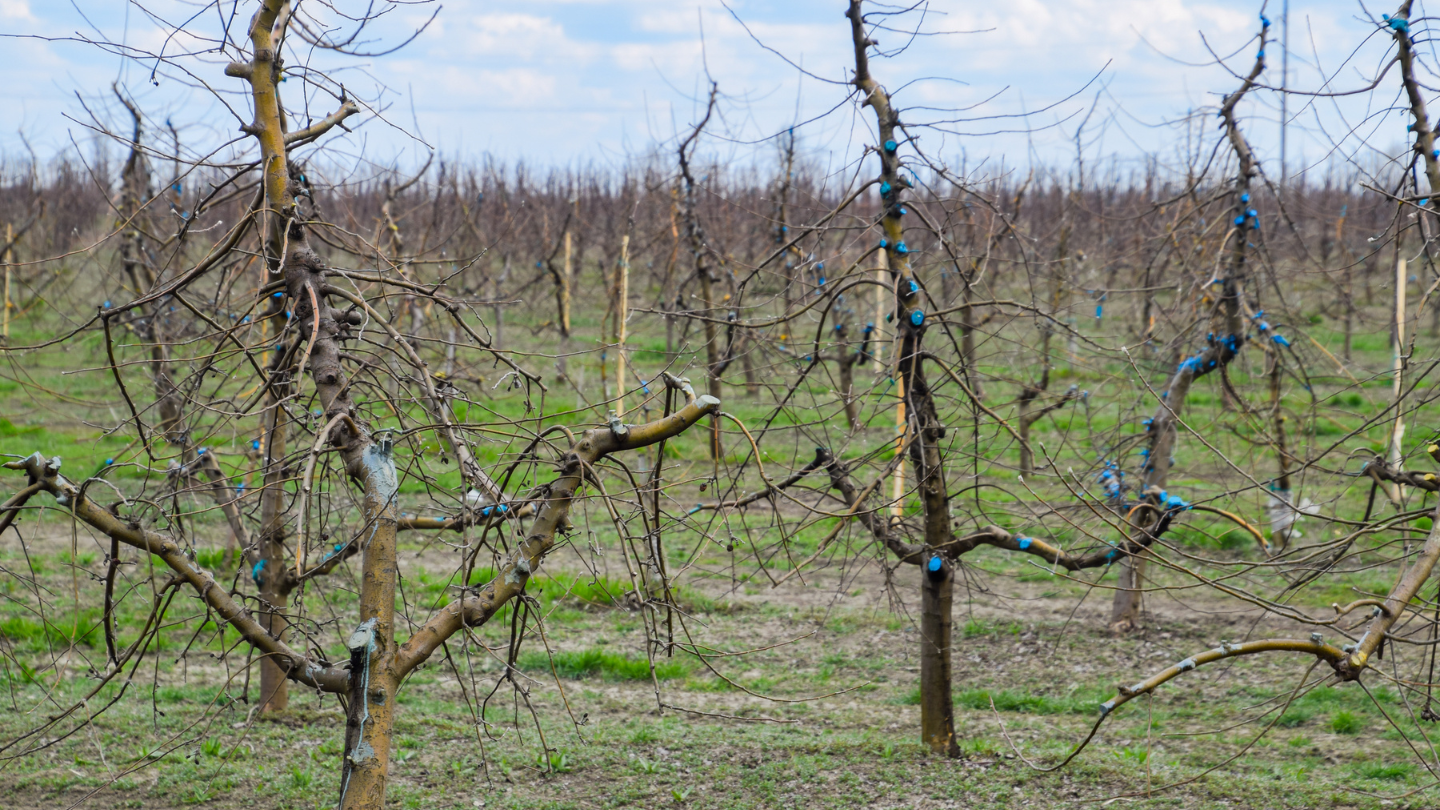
x=570, y=82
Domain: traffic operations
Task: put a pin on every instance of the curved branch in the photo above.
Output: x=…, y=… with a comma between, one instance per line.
x=299, y=667
x=476, y=608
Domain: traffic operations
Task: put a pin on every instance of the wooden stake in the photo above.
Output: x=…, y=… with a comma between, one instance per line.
x=621, y=304
x=1397, y=434
x=882, y=275
x=5, y=260
x=897, y=507
x=565, y=287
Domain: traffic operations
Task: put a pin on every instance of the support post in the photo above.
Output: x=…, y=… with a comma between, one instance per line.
x=621, y=305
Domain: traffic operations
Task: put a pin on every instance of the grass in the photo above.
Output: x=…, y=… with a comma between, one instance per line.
x=831, y=753
x=1014, y=701
x=607, y=665
x=1345, y=722
x=1045, y=676
x=1384, y=771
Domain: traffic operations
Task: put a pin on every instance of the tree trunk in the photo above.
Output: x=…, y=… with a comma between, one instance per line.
x=1223, y=345
x=274, y=686
x=369, y=724
x=1125, y=609
x=937, y=707
x=269, y=572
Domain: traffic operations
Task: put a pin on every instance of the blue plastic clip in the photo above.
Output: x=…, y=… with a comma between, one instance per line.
x=1397, y=23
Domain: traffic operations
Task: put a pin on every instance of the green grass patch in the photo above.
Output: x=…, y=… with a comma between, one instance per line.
x=1080, y=701
x=1346, y=722
x=1385, y=770
x=610, y=666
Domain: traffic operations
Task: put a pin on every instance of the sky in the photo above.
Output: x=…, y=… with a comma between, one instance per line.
x=594, y=82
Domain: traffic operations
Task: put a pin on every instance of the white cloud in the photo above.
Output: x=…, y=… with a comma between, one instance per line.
x=16, y=10
x=574, y=76
x=515, y=36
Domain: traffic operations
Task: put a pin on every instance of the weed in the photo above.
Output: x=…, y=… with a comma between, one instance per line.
x=643, y=735
x=210, y=558
x=975, y=628
x=1133, y=754
x=1345, y=722
x=554, y=762
x=1295, y=716
x=1009, y=700
x=1381, y=770
x=610, y=666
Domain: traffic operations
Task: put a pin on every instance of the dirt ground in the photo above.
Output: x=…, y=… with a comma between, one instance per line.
x=820, y=714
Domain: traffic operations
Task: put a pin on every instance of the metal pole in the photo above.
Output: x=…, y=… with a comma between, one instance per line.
x=1284, y=83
